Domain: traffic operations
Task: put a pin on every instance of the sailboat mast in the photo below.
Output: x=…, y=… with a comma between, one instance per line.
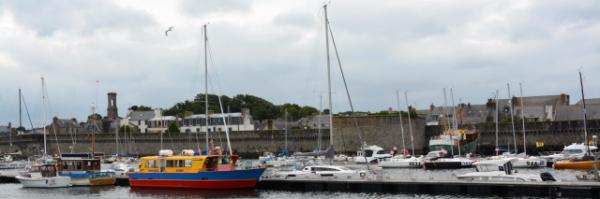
x=328, y=76
x=585, y=134
x=20, y=112
x=412, y=139
x=448, y=121
x=454, y=123
x=286, y=129
x=44, y=108
x=512, y=118
x=206, y=86
x=523, y=119
x=400, y=119
x=496, y=121
x=117, y=138
x=319, y=122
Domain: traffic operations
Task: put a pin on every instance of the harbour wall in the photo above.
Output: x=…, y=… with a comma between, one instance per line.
x=378, y=130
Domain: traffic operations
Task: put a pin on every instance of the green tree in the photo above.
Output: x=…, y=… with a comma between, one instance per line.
x=173, y=128
x=140, y=108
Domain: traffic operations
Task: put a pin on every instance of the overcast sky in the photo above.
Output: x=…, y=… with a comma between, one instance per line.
x=275, y=50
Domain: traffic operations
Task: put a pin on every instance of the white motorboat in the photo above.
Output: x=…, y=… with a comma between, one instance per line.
x=372, y=154
x=502, y=170
x=402, y=162
x=573, y=151
x=120, y=169
x=441, y=160
x=522, y=160
x=320, y=172
x=281, y=162
x=7, y=162
x=43, y=176
x=341, y=158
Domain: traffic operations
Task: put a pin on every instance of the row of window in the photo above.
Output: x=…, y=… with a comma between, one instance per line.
x=170, y=163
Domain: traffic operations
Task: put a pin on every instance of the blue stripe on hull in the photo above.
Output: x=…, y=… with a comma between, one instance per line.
x=206, y=175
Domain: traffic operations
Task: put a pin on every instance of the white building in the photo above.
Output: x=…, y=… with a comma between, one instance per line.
x=235, y=122
x=139, y=119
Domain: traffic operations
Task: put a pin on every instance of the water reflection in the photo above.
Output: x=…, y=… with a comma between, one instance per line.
x=195, y=192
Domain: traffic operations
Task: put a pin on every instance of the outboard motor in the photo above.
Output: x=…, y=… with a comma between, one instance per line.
x=547, y=177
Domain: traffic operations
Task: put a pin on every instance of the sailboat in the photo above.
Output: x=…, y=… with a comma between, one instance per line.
x=439, y=158
x=403, y=160
x=188, y=170
x=43, y=172
x=519, y=160
x=588, y=161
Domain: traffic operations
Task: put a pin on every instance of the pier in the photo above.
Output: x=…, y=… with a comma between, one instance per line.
x=447, y=187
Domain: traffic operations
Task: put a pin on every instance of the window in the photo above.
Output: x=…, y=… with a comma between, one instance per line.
x=151, y=164
x=188, y=163
x=170, y=163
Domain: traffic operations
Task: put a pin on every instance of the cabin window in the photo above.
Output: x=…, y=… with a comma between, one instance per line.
x=170, y=163
x=151, y=164
x=188, y=163
x=180, y=163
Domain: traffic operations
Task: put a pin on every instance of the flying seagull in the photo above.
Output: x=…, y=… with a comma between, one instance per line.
x=167, y=31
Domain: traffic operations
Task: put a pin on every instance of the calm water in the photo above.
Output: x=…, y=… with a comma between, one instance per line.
x=16, y=191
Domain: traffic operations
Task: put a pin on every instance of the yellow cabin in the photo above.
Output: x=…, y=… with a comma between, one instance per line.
x=186, y=164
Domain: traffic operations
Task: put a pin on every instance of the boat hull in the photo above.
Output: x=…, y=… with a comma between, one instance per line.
x=84, y=178
x=235, y=179
x=44, y=182
x=446, y=165
x=577, y=165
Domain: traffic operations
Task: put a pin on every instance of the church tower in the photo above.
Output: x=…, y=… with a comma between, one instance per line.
x=112, y=112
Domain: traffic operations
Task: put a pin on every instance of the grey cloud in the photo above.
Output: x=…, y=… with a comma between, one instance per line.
x=206, y=7
x=47, y=17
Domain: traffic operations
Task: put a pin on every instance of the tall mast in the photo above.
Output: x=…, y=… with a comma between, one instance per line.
x=286, y=129
x=448, y=121
x=44, y=108
x=585, y=134
x=512, y=119
x=523, y=119
x=319, y=122
x=400, y=119
x=117, y=137
x=412, y=140
x=206, y=85
x=94, y=131
x=20, y=112
x=454, y=123
x=328, y=76
x=496, y=121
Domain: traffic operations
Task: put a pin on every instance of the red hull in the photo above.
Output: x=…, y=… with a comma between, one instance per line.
x=195, y=184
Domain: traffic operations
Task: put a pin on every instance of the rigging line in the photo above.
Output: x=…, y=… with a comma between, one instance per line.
x=216, y=88
x=355, y=121
x=27, y=111
x=53, y=128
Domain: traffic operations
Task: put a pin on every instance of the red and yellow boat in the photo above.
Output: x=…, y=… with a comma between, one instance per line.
x=194, y=172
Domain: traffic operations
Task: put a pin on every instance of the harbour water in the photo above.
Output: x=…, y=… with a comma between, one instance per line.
x=13, y=190
x=17, y=192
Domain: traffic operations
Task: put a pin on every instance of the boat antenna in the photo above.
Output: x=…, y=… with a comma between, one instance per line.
x=523, y=119
x=400, y=119
x=585, y=134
